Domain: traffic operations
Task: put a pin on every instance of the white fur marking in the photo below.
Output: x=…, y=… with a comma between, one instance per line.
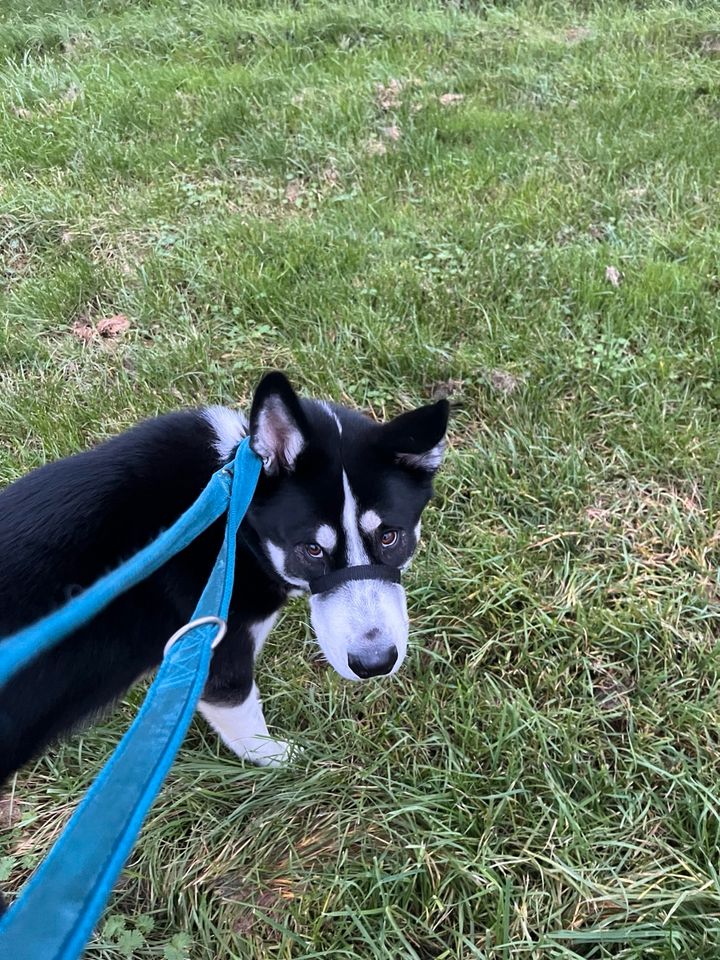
x=229, y=426
x=326, y=537
x=243, y=729
x=331, y=413
x=259, y=632
x=342, y=619
x=430, y=460
x=362, y=618
x=355, y=548
x=370, y=521
x=276, y=555
x=406, y=565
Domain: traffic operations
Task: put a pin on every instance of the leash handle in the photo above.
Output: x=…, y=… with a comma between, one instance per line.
x=55, y=915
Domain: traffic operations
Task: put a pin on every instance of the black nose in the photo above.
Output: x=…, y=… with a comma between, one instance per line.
x=373, y=665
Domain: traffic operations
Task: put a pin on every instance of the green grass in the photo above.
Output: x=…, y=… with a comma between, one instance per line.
x=541, y=781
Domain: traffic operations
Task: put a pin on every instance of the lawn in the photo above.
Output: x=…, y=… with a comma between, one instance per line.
x=514, y=204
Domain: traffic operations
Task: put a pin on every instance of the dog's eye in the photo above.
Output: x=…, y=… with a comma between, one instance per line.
x=313, y=550
x=389, y=538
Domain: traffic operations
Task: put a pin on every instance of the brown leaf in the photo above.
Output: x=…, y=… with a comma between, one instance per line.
x=22, y=113
x=113, y=326
x=447, y=99
x=375, y=147
x=83, y=330
x=710, y=44
x=331, y=175
x=294, y=191
x=76, y=45
x=504, y=382
x=613, y=275
x=10, y=812
x=577, y=34
x=444, y=389
x=387, y=95
x=391, y=133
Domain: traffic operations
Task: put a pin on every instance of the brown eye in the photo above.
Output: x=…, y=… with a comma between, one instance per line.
x=313, y=550
x=389, y=538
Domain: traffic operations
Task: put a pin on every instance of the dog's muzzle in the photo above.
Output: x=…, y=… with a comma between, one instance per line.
x=369, y=571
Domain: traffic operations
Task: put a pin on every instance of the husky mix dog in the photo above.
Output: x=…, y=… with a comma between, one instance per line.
x=336, y=514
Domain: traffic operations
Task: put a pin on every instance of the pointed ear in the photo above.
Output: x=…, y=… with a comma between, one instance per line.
x=278, y=427
x=417, y=438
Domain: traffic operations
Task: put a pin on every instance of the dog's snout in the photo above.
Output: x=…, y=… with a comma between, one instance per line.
x=373, y=664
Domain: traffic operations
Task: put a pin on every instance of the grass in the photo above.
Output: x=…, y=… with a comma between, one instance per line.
x=279, y=184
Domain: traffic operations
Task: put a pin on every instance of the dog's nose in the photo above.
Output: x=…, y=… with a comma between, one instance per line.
x=373, y=664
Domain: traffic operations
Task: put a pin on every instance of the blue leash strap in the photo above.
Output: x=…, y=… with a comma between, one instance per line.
x=60, y=905
x=25, y=645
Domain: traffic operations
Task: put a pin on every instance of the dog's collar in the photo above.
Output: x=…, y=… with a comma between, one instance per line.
x=369, y=571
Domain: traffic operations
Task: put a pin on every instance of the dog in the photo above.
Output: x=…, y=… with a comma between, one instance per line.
x=339, y=494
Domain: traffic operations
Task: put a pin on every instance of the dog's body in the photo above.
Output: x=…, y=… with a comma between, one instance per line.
x=337, y=490
x=63, y=526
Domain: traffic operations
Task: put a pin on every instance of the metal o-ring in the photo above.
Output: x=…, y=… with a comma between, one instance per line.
x=221, y=625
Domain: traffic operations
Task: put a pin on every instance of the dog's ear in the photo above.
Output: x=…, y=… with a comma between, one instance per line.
x=278, y=426
x=417, y=438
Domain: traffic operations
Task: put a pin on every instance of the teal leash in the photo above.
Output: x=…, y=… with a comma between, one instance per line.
x=25, y=645
x=56, y=912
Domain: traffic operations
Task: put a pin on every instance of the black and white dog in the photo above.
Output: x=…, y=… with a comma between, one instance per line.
x=337, y=490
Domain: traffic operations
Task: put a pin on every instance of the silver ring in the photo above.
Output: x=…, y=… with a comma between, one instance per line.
x=221, y=625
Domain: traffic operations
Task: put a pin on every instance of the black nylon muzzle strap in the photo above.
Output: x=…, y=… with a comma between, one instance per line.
x=368, y=571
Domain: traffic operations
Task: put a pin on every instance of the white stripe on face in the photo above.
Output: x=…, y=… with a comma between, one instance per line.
x=354, y=546
x=326, y=537
x=333, y=416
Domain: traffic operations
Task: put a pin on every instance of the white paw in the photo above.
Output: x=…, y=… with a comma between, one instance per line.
x=266, y=752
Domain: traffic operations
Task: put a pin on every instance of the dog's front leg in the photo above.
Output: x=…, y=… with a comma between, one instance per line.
x=231, y=702
x=243, y=729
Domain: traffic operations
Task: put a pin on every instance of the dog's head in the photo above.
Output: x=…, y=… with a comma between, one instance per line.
x=339, y=490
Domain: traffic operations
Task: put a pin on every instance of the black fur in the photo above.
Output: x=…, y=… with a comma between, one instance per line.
x=64, y=525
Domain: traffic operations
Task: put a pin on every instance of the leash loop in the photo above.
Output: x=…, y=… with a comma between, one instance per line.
x=198, y=622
